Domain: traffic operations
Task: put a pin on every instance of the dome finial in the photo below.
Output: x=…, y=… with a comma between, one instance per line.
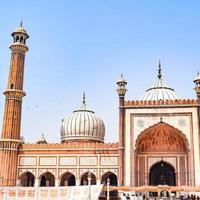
x=84, y=101
x=83, y=104
x=159, y=71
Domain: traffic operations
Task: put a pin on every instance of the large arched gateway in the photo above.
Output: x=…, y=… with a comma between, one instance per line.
x=161, y=156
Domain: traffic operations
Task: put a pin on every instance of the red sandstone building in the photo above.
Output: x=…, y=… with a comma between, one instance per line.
x=158, y=138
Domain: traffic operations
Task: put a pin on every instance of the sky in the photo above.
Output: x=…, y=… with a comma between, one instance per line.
x=77, y=46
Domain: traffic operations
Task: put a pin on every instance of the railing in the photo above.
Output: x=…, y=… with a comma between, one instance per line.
x=51, y=193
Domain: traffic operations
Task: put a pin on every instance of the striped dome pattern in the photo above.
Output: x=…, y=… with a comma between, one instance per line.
x=160, y=90
x=82, y=124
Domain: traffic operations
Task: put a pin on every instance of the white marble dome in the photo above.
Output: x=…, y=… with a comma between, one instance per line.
x=160, y=91
x=84, y=125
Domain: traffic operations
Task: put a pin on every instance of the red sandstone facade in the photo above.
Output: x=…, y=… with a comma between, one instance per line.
x=10, y=138
x=158, y=140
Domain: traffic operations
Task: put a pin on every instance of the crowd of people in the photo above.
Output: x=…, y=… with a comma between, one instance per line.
x=133, y=196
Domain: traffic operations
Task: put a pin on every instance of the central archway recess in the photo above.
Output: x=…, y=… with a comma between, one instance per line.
x=159, y=141
x=162, y=173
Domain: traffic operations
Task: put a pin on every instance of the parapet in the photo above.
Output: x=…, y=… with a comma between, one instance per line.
x=181, y=102
x=90, y=147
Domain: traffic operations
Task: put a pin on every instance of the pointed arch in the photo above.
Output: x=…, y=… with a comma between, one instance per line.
x=113, y=182
x=161, y=137
x=84, y=179
x=27, y=179
x=68, y=179
x=113, y=178
x=47, y=179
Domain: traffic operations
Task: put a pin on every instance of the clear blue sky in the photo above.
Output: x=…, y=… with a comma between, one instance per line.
x=84, y=45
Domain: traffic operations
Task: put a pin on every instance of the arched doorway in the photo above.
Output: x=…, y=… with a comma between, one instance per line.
x=47, y=180
x=162, y=173
x=68, y=179
x=27, y=179
x=159, y=142
x=84, y=179
x=113, y=182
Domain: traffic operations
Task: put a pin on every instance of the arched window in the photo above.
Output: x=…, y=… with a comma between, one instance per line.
x=27, y=179
x=11, y=86
x=17, y=38
x=21, y=39
x=47, y=180
x=68, y=179
x=84, y=179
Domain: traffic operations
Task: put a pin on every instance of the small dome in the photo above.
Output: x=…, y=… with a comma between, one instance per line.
x=21, y=30
x=160, y=90
x=42, y=140
x=121, y=80
x=197, y=78
x=82, y=124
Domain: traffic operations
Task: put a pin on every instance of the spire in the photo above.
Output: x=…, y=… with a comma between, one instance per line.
x=159, y=71
x=121, y=80
x=21, y=23
x=84, y=101
x=83, y=104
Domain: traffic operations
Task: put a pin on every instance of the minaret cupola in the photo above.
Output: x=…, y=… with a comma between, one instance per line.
x=197, y=85
x=121, y=90
x=20, y=35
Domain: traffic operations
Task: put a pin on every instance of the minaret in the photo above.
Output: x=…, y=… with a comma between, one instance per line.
x=10, y=137
x=121, y=90
x=197, y=86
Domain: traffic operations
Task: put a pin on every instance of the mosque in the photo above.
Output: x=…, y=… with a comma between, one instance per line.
x=159, y=138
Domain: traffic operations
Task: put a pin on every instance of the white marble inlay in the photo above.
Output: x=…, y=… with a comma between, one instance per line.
x=67, y=160
x=48, y=161
x=88, y=160
x=27, y=161
x=109, y=161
